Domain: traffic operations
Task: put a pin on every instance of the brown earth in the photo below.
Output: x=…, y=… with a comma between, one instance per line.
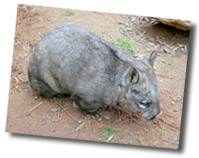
x=35, y=115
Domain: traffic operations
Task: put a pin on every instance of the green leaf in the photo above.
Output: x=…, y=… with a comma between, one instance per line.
x=123, y=44
x=69, y=12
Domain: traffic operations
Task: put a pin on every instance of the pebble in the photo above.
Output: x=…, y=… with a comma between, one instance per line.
x=175, y=49
x=36, y=97
x=106, y=115
x=151, y=43
x=100, y=119
x=138, y=56
x=166, y=50
x=27, y=115
x=96, y=115
x=180, y=45
x=75, y=105
x=90, y=116
x=132, y=19
x=129, y=29
x=161, y=80
x=79, y=121
x=176, y=110
x=175, y=141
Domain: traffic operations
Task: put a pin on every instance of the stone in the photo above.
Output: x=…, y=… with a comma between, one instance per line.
x=178, y=24
x=100, y=119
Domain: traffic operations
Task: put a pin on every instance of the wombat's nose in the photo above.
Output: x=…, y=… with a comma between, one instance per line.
x=152, y=118
x=156, y=116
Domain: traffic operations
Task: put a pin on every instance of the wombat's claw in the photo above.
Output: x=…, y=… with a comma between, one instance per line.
x=74, y=105
x=97, y=114
x=105, y=106
x=108, y=107
x=91, y=115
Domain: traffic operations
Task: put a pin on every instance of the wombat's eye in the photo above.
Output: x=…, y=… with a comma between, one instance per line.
x=144, y=104
x=134, y=77
x=134, y=91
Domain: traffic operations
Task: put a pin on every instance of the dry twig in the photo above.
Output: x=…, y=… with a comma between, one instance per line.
x=16, y=79
x=109, y=138
x=92, y=130
x=80, y=126
x=36, y=106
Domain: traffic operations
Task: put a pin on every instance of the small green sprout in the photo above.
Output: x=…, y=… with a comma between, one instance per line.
x=109, y=131
x=69, y=12
x=123, y=44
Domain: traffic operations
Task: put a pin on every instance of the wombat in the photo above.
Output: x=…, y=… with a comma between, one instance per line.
x=72, y=61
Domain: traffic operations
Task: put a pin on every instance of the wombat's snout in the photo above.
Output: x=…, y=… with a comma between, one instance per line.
x=149, y=116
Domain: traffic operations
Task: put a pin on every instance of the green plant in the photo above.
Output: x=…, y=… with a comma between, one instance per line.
x=123, y=44
x=174, y=59
x=138, y=140
x=109, y=131
x=173, y=56
x=161, y=132
x=69, y=12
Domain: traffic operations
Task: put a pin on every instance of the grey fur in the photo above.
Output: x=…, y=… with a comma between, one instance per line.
x=73, y=61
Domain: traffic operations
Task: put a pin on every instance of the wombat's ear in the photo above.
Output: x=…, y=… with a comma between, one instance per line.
x=130, y=77
x=152, y=57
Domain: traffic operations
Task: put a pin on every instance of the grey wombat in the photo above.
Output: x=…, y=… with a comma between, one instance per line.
x=71, y=60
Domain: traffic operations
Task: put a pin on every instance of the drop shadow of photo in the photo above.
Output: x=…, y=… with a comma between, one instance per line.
x=187, y=89
x=90, y=143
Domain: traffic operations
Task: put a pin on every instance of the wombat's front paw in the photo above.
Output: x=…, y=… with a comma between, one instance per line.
x=91, y=115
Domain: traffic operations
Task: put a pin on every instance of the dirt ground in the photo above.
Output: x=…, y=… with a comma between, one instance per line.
x=35, y=115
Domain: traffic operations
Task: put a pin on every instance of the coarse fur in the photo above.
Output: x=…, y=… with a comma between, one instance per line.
x=72, y=61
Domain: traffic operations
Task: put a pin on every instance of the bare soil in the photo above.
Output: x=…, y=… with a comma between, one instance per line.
x=35, y=115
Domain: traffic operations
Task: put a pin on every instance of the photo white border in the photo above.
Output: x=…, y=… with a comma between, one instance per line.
x=12, y=145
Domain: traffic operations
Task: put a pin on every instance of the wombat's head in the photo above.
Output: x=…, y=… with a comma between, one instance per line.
x=142, y=92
